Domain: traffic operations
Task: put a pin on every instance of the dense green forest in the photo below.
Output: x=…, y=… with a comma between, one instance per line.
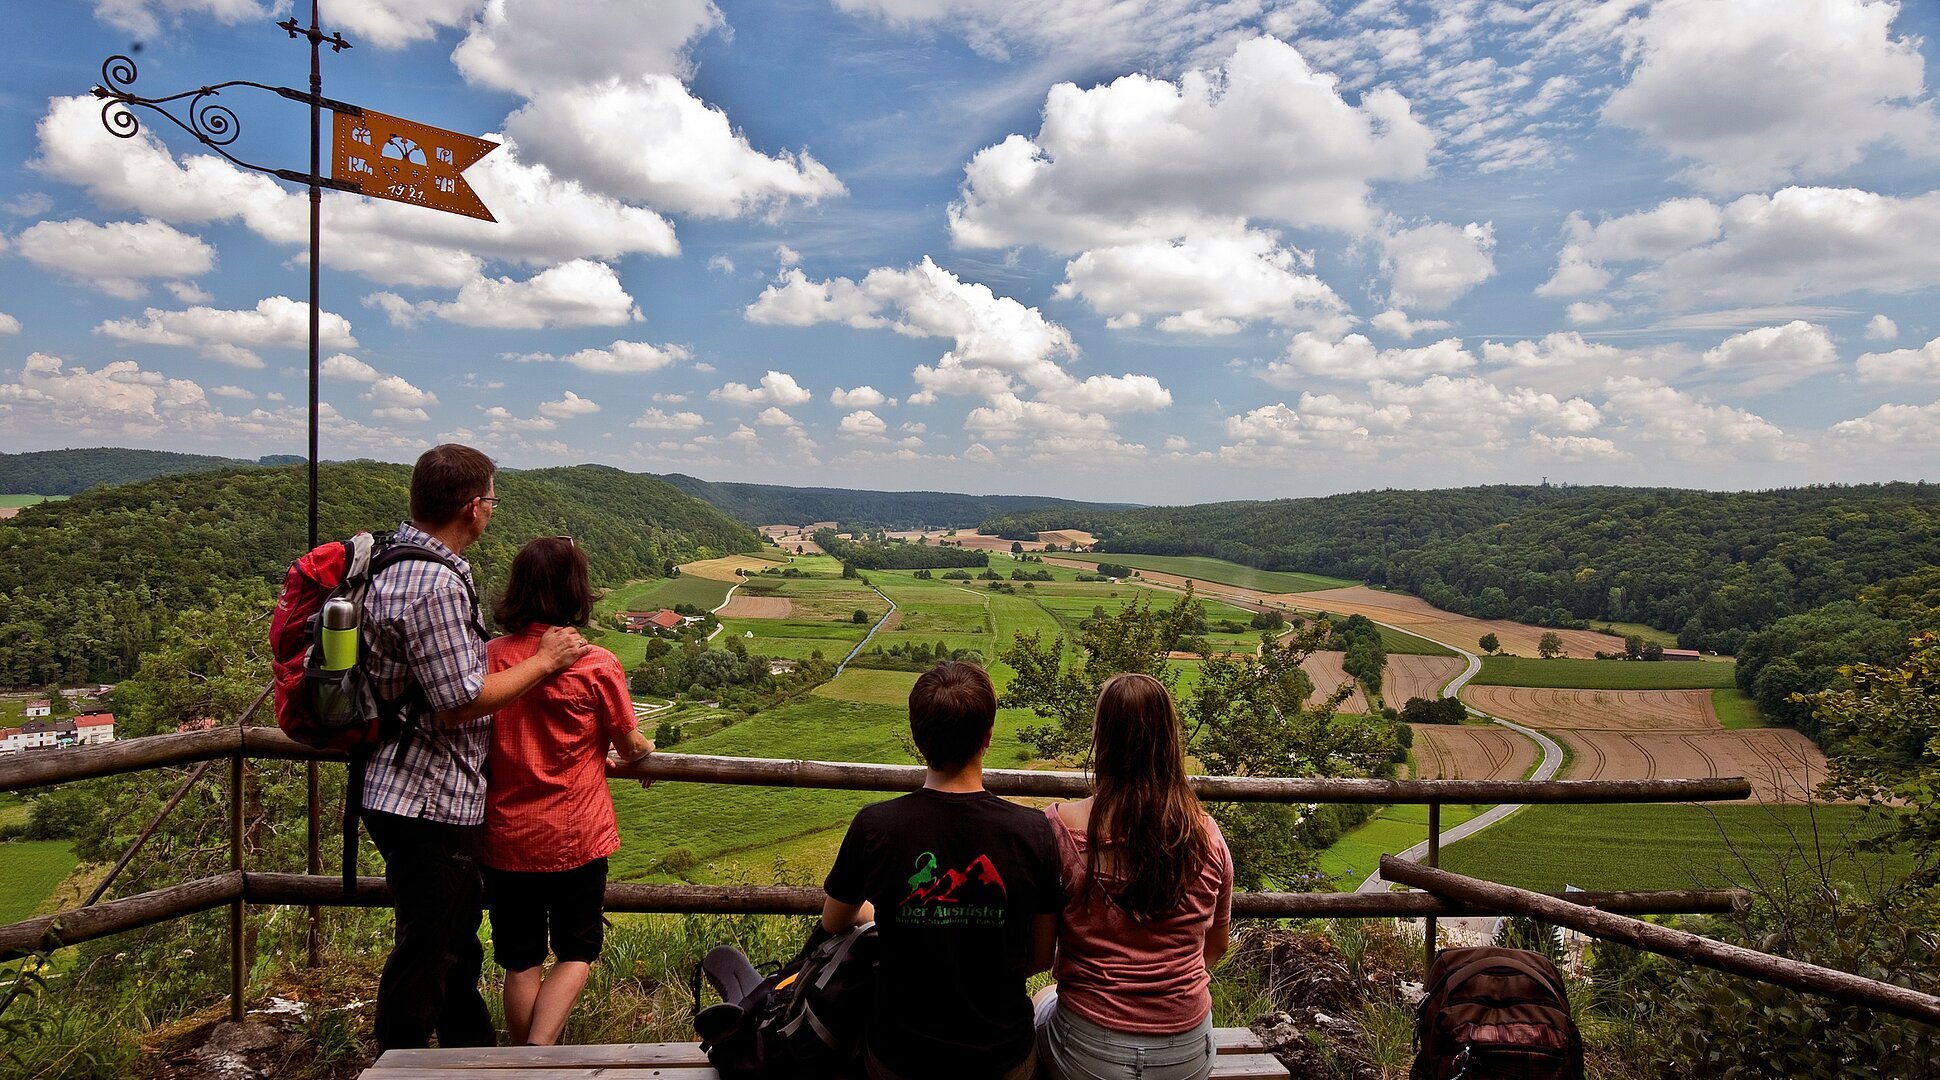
x=770, y=504
x=87, y=584
x=69, y=472
x=1805, y=653
x=1711, y=567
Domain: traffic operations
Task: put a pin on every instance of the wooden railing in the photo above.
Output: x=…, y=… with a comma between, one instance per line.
x=241, y=886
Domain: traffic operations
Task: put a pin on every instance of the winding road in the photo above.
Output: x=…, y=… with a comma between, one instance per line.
x=1552, y=761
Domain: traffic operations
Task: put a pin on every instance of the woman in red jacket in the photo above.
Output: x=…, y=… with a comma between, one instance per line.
x=549, y=822
x=1149, y=884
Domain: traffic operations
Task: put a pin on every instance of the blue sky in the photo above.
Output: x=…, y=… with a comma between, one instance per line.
x=1121, y=249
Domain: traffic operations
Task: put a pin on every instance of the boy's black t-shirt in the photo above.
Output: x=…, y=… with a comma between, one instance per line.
x=955, y=878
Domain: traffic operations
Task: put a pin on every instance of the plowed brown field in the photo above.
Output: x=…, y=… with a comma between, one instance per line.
x=1409, y=676
x=1418, y=615
x=742, y=606
x=1782, y=764
x=1471, y=753
x=1606, y=710
x=1325, y=670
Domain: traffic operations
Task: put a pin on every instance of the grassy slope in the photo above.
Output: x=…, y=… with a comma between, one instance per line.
x=1659, y=847
x=1226, y=573
x=1390, y=831
x=28, y=500
x=29, y=872
x=1605, y=674
x=1736, y=709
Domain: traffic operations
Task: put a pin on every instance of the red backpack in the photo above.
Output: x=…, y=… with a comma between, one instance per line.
x=324, y=694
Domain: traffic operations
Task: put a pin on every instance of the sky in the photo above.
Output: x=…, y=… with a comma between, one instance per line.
x=1156, y=251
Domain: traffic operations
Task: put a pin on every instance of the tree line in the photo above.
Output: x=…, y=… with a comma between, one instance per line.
x=771, y=504
x=1711, y=567
x=87, y=584
x=893, y=555
x=70, y=472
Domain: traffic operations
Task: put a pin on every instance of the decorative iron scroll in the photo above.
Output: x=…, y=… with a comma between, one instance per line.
x=212, y=123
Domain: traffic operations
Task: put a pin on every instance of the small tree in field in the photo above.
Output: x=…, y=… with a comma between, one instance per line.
x=1551, y=645
x=1490, y=643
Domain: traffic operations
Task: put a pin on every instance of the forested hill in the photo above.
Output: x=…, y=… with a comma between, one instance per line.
x=770, y=504
x=68, y=472
x=87, y=584
x=1709, y=566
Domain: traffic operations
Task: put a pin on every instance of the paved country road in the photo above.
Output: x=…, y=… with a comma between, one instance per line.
x=1552, y=761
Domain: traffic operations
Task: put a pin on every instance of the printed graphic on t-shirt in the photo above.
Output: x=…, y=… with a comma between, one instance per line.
x=974, y=895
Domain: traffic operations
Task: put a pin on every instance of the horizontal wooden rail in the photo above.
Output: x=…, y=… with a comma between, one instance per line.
x=86, y=924
x=40, y=768
x=1677, y=944
x=44, y=767
x=128, y=913
x=796, y=900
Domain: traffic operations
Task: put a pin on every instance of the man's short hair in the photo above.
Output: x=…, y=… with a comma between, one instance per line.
x=445, y=479
x=951, y=709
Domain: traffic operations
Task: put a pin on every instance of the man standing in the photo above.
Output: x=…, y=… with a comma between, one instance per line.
x=964, y=890
x=424, y=791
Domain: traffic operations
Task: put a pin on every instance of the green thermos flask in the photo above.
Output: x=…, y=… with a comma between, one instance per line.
x=339, y=635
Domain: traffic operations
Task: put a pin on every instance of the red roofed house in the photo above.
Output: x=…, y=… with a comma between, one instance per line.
x=641, y=621
x=96, y=727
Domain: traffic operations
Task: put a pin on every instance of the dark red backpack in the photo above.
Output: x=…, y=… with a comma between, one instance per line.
x=1503, y=1014
x=339, y=708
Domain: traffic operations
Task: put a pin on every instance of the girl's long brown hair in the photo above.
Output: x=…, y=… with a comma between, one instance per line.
x=1148, y=840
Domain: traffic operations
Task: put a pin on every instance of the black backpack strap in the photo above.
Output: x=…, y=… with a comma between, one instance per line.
x=353, y=806
x=402, y=713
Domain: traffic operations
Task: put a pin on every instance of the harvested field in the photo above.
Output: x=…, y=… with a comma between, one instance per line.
x=1068, y=537
x=8, y=511
x=1782, y=764
x=1604, y=710
x=1325, y=670
x=1460, y=631
x=743, y=606
x=1460, y=752
x=724, y=569
x=1417, y=677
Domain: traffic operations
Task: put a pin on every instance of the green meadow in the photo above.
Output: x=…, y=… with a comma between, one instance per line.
x=30, y=870
x=1736, y=709
x=10, y=501
x=1568, y=674
x=1672, y=846
x=1392, y=830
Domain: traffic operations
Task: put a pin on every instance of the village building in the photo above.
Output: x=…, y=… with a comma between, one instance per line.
x=1682, y=654
x=42, y=733
x=38, y=709
x=640, y=622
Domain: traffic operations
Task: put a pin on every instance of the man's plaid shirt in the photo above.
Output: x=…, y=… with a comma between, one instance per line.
x=418, y=624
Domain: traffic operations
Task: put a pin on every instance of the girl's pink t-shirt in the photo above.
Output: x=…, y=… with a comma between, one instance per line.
x=1148, y=977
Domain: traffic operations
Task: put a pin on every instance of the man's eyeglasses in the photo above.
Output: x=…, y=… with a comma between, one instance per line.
x=493, y=499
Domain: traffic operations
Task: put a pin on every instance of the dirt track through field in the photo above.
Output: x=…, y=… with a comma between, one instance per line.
x=1470, y=753
x=1419, y=616
x=1603, y=710
x=1782, y=764
x=743, y=606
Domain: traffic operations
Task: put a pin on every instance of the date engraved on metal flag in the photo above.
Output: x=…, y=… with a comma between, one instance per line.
x=387, y=157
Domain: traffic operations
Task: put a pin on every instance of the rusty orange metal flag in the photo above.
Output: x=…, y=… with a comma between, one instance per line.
x=386, y=157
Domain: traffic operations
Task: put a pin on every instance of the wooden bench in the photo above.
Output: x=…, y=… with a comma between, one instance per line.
x=1241, y=1057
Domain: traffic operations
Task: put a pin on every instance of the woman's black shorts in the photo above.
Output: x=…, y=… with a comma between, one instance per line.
x=524, y=904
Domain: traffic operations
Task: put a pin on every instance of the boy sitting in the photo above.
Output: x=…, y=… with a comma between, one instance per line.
x=964, y=890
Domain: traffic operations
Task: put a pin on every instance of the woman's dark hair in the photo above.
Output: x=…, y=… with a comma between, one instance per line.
x=1148, y=842
x=547, y=587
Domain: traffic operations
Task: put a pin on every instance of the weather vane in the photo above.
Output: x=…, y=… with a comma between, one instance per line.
x=373, y=154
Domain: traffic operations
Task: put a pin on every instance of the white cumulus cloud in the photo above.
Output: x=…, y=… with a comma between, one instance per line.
x=233, y=336
x=115, y=257
x=1759, y=91
x=1772, y=357
x=578, y=293
x=1431, y=266
x=1213, y=283
x=656, y=420
x=776, y=388
x=1921, y=365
